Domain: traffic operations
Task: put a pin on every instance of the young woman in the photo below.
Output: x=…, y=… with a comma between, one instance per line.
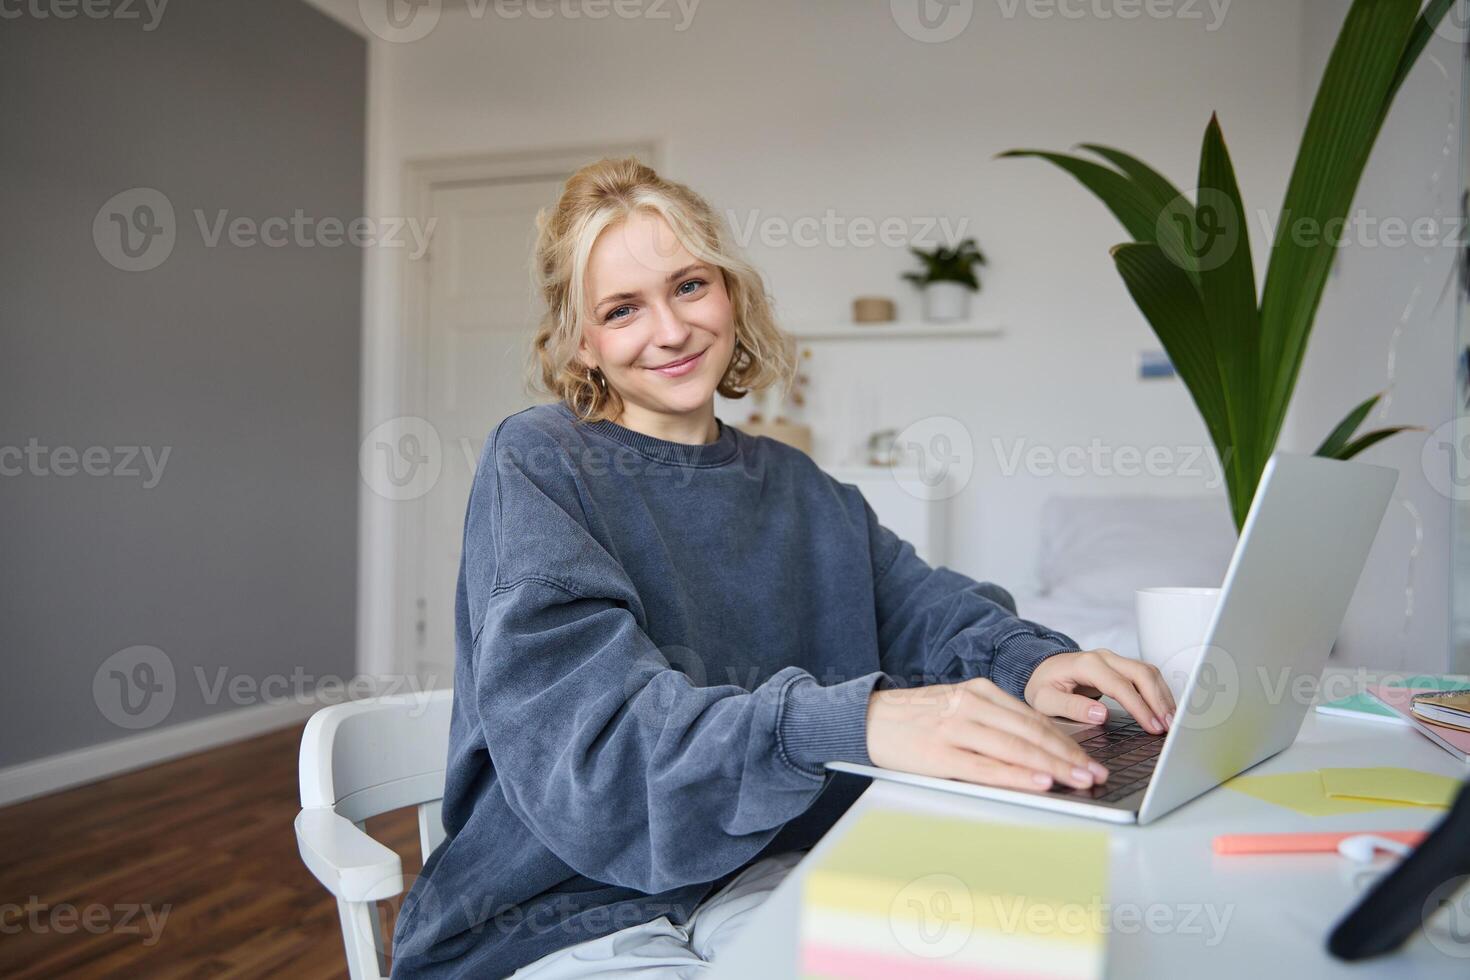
x=666, y=627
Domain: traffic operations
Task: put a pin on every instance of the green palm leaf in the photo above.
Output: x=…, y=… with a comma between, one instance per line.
x=1129, y=204
x=1171, y=304
x=1340, y=436
x=1371, y=438
x=1227, y=282
x=1239, y=359
x=1344, y=123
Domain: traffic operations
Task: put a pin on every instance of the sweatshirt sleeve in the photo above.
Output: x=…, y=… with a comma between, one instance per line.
x=938, y=626
x=605, y=749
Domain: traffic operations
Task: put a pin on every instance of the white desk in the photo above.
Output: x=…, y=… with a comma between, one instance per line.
x=1280, y=908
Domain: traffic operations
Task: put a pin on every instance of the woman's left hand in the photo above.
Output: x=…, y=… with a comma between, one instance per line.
x=1066, y=684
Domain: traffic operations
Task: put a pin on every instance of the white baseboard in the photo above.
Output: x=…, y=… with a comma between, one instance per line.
x=67, y=769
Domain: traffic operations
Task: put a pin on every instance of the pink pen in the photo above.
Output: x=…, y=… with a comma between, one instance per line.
x=1304, y=843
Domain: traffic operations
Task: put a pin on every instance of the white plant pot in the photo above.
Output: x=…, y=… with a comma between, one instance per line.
x=946, y=301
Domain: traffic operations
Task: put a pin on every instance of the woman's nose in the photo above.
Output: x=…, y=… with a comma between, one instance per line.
x=671, y=331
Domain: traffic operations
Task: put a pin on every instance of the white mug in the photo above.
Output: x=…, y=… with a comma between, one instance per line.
x=1172, y=622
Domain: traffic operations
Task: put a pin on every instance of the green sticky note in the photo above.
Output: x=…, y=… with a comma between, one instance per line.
x=1390, y=783
x=1366, y=704
x=1304, y=792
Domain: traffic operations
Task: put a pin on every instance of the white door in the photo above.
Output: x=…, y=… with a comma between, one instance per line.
x=480, y=317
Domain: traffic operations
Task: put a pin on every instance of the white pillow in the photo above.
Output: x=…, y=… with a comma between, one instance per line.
x=1101, y=550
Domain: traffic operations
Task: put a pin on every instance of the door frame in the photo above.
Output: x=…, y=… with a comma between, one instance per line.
x=400, y=591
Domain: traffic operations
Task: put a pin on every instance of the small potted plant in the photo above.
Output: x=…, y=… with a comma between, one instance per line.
x=948, y=280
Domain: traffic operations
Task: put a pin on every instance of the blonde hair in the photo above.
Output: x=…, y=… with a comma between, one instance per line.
x=597, y=197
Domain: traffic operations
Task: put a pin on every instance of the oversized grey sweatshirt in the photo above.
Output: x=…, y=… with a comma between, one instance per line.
x=659, y=645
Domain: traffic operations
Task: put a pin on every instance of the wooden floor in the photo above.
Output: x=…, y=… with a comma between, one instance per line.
x=204, y=844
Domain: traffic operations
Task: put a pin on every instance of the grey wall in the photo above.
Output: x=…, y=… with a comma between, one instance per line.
x=1388, y=321
x=240, y=362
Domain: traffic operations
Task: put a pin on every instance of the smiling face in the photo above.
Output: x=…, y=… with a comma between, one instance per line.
x=662, y=330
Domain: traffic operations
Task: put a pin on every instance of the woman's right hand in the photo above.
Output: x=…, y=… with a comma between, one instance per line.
x=976, y=732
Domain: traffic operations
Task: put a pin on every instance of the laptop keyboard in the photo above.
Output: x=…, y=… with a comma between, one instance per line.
x=1129, y=752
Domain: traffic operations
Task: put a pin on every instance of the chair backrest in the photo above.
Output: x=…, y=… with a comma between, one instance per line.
x=367, y=757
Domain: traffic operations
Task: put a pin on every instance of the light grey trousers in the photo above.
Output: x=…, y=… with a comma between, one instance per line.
x=659, y=949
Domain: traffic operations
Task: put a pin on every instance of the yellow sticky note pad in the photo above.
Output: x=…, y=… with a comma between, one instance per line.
x=1305, y=793
x=1390, y=783
x=940, y=898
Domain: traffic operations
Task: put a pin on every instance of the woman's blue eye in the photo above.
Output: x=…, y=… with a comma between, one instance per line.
x=613, y=313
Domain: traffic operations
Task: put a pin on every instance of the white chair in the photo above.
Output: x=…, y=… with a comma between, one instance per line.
x=358, y=760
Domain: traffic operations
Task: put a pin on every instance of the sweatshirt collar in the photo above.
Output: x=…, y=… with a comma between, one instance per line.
x=722, y=450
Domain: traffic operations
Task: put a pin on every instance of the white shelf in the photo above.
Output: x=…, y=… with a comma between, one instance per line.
x=900, y=330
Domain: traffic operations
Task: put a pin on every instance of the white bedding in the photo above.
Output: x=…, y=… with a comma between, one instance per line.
x=1096, y=552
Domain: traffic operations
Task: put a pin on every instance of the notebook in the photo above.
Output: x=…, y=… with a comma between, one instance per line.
x=1365, y=707
x=918, y=896
x=1399, y=699
x=1448, y=708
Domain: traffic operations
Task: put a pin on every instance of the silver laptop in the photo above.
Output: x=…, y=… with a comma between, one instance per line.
x=1298, y=561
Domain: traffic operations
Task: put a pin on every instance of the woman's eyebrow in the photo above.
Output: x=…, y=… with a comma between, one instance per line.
x=676, y=274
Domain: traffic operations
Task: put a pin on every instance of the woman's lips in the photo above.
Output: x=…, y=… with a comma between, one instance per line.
x=682, y=367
